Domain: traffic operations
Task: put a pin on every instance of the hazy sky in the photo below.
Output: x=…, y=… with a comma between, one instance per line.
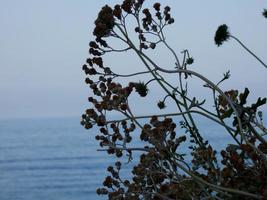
x=44, y=43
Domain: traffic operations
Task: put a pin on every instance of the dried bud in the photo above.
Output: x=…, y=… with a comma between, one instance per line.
x=161, y=104
x=117, y=11
x=152, y=45
x=88, y=125
x=167, y=9
x=189, y=61
x=93, y=44
x=118, y=165
x=157, y=6
x=127, y=6
x=88, y=81
x=171, y=21
x=154, y=28
x=124, y=106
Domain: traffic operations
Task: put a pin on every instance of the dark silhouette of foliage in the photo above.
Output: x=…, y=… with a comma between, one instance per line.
x=238, y=172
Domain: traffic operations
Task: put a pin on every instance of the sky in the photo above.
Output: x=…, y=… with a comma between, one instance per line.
x=43, y=45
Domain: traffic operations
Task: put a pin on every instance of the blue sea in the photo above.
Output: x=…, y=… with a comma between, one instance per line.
x=57, y=159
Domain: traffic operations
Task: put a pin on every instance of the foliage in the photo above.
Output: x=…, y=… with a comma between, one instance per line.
x=238, y=172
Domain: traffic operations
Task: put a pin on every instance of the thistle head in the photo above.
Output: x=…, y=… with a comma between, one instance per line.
x=222, y=34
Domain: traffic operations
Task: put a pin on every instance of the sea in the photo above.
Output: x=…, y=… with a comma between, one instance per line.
x=57, y=159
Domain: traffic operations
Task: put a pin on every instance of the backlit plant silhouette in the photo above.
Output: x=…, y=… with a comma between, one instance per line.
x=163, y=172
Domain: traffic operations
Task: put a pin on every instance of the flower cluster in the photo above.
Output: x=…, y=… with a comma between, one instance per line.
x=235, y=161
x=104, y=22
x=127, y=6
x=223, y=103
x=117, y=11
x=240, y=100
x=148, y=19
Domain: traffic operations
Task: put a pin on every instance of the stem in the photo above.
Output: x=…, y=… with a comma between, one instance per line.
x=128, y=149
x=235, y=38
x=129, y=75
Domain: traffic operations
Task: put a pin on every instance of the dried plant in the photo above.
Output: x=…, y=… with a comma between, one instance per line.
x=163, y=172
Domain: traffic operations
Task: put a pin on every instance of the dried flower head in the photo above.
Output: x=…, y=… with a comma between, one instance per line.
x=189, y=61
x=127, y=6
x=157, y=6
x=117, y=11
x=161, y=104
x=104, y=22
x=141, y=88
x=222, y=34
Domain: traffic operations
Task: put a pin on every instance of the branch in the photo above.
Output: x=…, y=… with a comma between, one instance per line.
x=133, y=74
x=128, y=149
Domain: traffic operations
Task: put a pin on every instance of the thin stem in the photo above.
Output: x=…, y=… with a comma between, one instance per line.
x=235, y=38
x=128, y=149
x=129, y=75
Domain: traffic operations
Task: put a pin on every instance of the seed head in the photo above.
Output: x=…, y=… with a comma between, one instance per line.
x=222, y=34
x=141, y=88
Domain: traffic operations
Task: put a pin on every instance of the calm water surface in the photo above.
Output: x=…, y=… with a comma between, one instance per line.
x=49, y=159
x=54, y=159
